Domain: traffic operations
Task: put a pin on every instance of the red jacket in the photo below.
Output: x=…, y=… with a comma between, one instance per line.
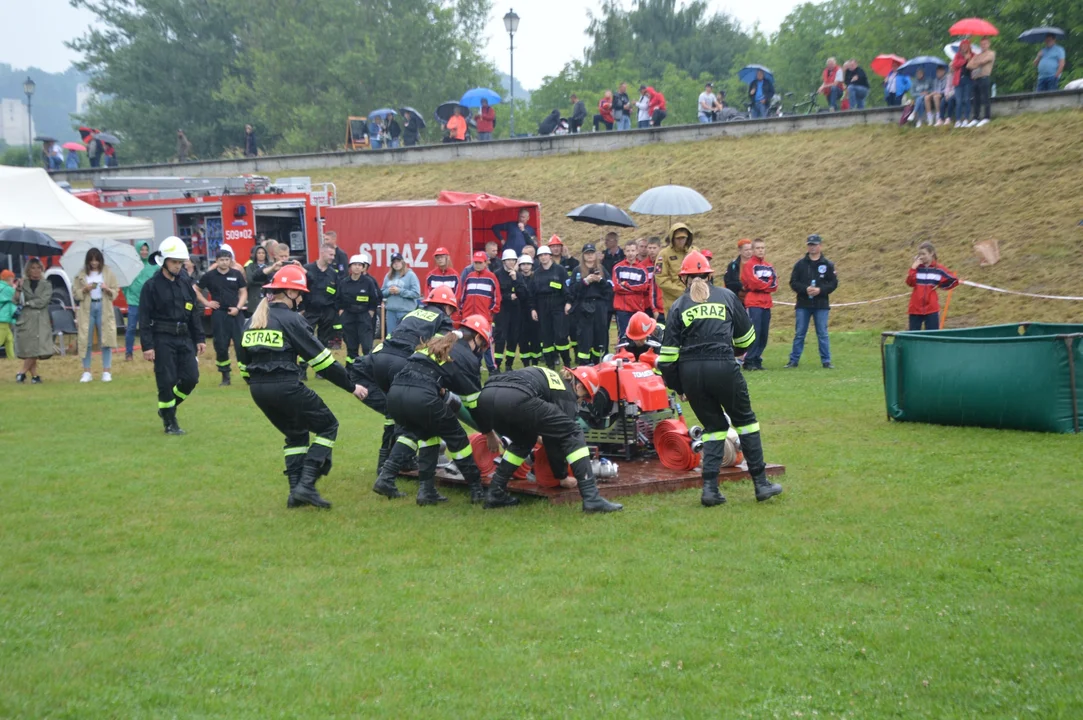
x=925, y=280
x=759, y=277
x=633, y=287
x=479, y=295
x=605, y=109
x=447, y=278
x=658, y=101
x=486, y=119
x=829, y=76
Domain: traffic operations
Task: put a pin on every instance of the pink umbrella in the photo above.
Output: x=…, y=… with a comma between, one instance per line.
x=973, y=26
x=78, y=147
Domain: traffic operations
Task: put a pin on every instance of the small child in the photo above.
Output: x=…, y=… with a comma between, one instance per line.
x=7, y=313
x=925, y=276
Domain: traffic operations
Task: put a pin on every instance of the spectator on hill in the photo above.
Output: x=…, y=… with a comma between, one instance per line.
x=656, y=107
x=857, y=84
x=622, y=108
x=549, y=124
x=732, y=278
x=963, y=82
x=832, y=84
x=760, y=280
x=401, y=290
x=981, y=71
x=1050, y=64
x=409, y=130
x=517, y=234
x=250, y=148
x=934, y=100
x=486, y=121
x=71, y=160
x=895, y=86
x=708, y=104
x=667, y=272
x=760, y=92
x=605, y=111
x=393, y=131
x=95, y=288
x=34, y=327
x=95, y=149
x=922, y=87
x=925, y=276
x=183, y=147
x=131, y=294
x=456, y=126
x=813, y=279
x=643, y=115
x=8, y=310
x=579, y=115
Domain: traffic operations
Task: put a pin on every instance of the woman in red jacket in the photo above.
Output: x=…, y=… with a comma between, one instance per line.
x=760, y=280
x=656, y=107
x=925, y=276
x=605, y=111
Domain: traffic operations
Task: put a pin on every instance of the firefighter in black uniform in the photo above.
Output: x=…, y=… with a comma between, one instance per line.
x=523, y=404
x=390, y=356
x=171, y=331
x=508, y=320
x=436, y=382
x=529, y=349
x=563, y=257
x=228, y=295
x=320, y=305
x=643, y=335
x=590, y=301
x=273, y=339
x=358, y=299
x=707, y=326
x=548, y=288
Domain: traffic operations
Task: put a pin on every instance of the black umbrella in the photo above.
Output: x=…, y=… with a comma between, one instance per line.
x=415, y=116
x=25, y=241
x=602, y=214
x=44, y=138
x=1037, y=35
x=108, y=138
x=446, y=110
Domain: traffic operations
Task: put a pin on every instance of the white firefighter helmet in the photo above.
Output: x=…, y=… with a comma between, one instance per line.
x=361, y=258
x=510, y=254
x=172, y=248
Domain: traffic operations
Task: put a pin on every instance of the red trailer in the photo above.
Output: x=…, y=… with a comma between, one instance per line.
x=460, y=222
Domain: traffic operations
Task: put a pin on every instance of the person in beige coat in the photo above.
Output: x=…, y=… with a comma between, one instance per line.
x=95, y=289
x=34, y=329
x=668, y=268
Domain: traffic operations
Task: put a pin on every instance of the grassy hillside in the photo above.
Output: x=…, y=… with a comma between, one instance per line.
x=873, y=193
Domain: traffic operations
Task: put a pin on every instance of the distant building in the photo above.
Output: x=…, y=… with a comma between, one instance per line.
x=83, y=96
x=13, y=122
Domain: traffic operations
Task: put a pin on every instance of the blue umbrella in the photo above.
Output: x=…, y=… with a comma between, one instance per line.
x=1037, y=35
x=473, y=98
x=381, y=112
x=748, y=74
x=928, y=63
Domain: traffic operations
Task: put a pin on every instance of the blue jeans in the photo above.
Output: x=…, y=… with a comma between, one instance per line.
x=129, y=333
x=703, y=118
x=947, y=108
x=643, y=124
x=962, y=98
x=374, y=143
x=759, y=109
x=803, y=315
x=624, y=123
x=96, y=323
x=484, y=137
x=761, y=323
x=1048, y=84
x=858, y=93
x=392, y=319
x=834, y=97
x=393, y=143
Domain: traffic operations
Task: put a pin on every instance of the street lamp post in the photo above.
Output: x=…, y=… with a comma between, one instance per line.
x=28, y=88
x=511, y=24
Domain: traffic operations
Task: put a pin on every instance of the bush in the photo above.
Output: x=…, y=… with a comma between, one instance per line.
x=14, y=156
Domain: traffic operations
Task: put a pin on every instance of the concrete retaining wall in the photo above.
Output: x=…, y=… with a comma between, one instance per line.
x=280, y=165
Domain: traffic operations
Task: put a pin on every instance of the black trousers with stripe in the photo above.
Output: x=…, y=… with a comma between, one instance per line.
x=226, y=328
x=323, y=321
x=716, y=388
x=176, y=371
x=298, y=413
x=425, y=419
x=592, y=329
x=358, y=332
x=506, y=335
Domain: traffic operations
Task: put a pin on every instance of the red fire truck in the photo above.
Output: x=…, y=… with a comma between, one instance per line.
x=207, y=212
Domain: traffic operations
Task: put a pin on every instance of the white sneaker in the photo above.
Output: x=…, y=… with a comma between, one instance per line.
x=107, y=377
x=983, y=123
x=958, y=123
x=972, y=123
x=86, y=377
x=917, y=124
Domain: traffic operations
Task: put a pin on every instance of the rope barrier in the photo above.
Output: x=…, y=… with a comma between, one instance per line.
x=961, y=282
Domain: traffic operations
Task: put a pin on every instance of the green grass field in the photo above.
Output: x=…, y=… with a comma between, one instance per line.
x=908, y=571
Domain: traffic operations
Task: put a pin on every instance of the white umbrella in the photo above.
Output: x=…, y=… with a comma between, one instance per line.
x=670, y=200
x=120, y=257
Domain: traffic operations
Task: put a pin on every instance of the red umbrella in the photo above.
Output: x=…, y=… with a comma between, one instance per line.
x=973, y=26
x=78, y=147
x=882, y=65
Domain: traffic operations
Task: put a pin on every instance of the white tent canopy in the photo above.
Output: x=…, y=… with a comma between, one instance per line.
x=30, y=198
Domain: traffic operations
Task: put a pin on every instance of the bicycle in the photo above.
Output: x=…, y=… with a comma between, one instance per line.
x=806, y=107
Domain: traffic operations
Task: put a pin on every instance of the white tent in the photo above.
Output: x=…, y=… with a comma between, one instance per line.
x=29, y=197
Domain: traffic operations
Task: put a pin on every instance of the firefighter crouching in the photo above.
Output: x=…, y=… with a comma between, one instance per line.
x=524, y=404
x=273, y=338
x=171, y=331
x=436, y=382
x=705, y=327
x=643, y=336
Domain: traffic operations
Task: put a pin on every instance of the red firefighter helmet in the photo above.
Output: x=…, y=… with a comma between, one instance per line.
x=695, y=264
x=291, y=277
x=640, y=326
x=708, y=254
x=439, y=295
x=589, y=377
x=480, y=325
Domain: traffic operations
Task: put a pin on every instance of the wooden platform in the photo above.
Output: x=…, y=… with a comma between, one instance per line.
x=633, y=478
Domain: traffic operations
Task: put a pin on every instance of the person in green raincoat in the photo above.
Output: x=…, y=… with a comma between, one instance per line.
x=131, y=293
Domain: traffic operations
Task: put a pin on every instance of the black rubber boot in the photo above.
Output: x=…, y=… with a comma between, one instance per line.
x=472, y=475
x=389, y=470
x=593, y=502
x=225, y=379
x=381, y=458
x=765, y=489
x=498, y=495
x=752, y=448
x=426, y=491
x=169, y=418
x=305, y=493
x=711, y=495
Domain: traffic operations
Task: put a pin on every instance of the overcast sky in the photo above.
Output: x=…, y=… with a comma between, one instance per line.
x=550, y=32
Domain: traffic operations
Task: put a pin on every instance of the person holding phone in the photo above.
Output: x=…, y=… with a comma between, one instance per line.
x=95, y=288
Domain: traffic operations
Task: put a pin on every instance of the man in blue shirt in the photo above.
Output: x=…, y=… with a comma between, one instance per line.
x=1050, y=62
x=761, y=91
x=516, y=235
